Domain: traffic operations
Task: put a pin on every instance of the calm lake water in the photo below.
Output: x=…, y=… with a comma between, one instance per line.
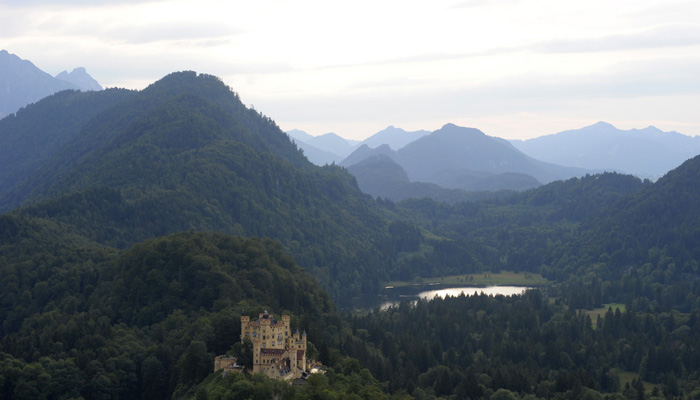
x=453, y=291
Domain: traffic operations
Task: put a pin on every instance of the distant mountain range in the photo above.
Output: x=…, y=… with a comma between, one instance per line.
x=467, y=159
x=453, y=157
x=22, y=83
x=647, y=153
x=331, y=148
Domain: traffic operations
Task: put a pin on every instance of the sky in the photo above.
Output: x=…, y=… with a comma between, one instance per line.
x=514, y=69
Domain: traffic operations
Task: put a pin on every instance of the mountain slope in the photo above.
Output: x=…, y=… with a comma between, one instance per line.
x=663, y=219
x=122, y=324
x=381, y=176
x=648, y=152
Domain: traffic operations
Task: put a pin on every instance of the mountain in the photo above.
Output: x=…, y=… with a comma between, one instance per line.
x=22, y=83
x=364, y=152
x=332, y=143
x=316, y=155
x=465, y=158
x=80, y=78
x=331, y=148
x=321, y=150
x=299, y=135
x=395, y=138
x=659, y=225
x=183, y=154
x=380, y=176
x=454, y=148
x=647, y=153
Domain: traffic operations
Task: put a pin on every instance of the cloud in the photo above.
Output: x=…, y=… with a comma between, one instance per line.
x=35, y=3
x=482, y=3
x=650, y=39
x=173, y=31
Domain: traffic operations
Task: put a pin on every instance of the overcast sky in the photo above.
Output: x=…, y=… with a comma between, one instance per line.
x=514, y=69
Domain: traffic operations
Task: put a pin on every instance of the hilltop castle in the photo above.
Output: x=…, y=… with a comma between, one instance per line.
x=276, y=352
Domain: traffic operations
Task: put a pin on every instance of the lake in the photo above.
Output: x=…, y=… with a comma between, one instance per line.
x=393, y=300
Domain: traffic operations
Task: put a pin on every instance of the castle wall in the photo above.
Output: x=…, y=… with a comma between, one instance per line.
x=276, y=352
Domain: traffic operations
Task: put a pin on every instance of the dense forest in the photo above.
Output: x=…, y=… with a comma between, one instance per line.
x=139, y=226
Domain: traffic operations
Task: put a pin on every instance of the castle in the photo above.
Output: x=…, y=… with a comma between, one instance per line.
x=276, y=352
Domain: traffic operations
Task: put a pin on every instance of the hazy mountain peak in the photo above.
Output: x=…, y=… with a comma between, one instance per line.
x=453, y=129
x=602, y=124
x=384, y=148
x=80, y=78
x=299, y=135
x=22, y=83
x=333, y=143
x=395, y=137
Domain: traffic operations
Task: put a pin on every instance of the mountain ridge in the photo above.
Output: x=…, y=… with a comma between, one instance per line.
x=455, y=157
x=647, y=152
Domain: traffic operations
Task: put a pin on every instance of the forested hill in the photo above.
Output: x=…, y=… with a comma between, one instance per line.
x=83, y=321
x=185, y=153
x=83, y=131
x=654, y=232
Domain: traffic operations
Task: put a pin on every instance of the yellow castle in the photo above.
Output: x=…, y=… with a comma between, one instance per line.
x=276, y=353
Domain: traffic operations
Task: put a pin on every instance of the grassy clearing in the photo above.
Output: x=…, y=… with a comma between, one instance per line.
x=594, y=313
x=481, y=279
x=628, y=377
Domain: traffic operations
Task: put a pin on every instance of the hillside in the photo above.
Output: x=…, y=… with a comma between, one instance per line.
x=658, y=225
x=141, y=323
x=380, y=176
x=32, y=137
